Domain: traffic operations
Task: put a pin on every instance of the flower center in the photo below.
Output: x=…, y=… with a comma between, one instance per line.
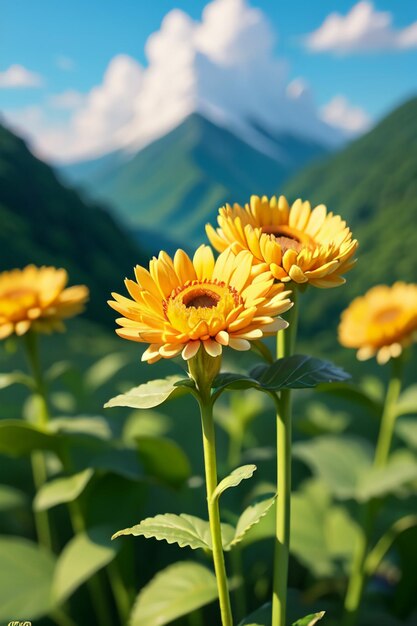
x=290, y=238
x=201, y=298
x=207, y=301
x=387, y=316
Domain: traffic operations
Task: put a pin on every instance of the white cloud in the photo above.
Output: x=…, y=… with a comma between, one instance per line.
x=223, y=67
x=362, y=29
x=348, y=118
x=69, y=100
x=64, y=63
x=17, y=76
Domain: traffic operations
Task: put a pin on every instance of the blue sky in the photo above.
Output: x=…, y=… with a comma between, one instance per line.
x=90, y=33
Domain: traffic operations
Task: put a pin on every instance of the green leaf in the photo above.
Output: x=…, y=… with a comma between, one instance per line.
x=175, y=591
x=309, y=620
x=57, y=370
x=164, y=459
x=15, y=378
x=383, y=481
x=407, y=403
x=103, y=370
x=297, y=372
x=261, y=617
x=90, y=425
x=340, y=463
x=250, y=516
x=26, y=572
x=82, y=557
x=18, y=438
x=185, y=530
x=150, y=394
x=407, y=430
x=11, y=499
x=233, y=480
x=234, y=381
x=59, y=490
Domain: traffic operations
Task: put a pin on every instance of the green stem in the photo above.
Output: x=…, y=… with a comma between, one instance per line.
x=358, y=576
x=285, y=347
x=209, y=444
x=39, y=473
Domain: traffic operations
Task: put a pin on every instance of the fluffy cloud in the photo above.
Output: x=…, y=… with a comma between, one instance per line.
x=223, y=67
x=69, y=99
x=341, y=114
x=363, y=29
x=17, y=76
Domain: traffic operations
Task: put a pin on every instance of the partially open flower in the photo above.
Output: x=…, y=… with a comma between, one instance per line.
x=296, y=243
x=35, y=297
x=181, y=304
x=382, y=322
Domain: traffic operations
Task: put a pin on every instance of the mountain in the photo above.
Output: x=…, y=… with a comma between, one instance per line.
x=373, y=184
x=44, y=222
x=176, y=184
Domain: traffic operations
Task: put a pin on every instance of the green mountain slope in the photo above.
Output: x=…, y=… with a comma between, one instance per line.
x=178, y=182
x=373, y=184
x=43, y=222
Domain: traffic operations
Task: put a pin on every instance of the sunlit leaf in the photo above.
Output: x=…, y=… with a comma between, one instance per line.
x=18, y=438
x=150, y=394
x=103, y=370
x=340, y=462
x=233, y=479
x=380, y=482
x=250, y=516
x=91, y=425
x=84, y=555
x=185, y=530
x=175, y=591
x=26, y=572
x=309, y=620
x=15, y=378
x=59, y=490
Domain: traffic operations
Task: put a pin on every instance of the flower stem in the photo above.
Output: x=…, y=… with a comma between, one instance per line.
x=209, y=444
x=39, y=473
x=358, y=576
x=285, y=347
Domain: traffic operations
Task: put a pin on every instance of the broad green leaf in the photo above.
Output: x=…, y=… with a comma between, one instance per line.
x=15, y=378
x=164, y=459
x=380, y=482
x=309, y=620
x=150, y=394
x=250, y=516
x=185, y=530
x=143, y=423
x=297, y=372
x=407, y=403
x=233, y=480
x=234, y=381
x=407, y=430
x=12, y=498
x=319, y=420
x=26, y=572
x=82, y=557
x=103, y=370
x=340, y=462
x=18, y=438
x=59, y=490
x=91, y=425
x=175, y=591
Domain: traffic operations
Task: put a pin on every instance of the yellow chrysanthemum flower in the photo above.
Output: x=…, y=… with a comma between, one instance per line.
x=35, y=297
x=296, y=243
x=381, y=323
x=181, y=304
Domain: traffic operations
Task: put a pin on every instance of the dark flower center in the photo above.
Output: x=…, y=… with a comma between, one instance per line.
x=201, y=298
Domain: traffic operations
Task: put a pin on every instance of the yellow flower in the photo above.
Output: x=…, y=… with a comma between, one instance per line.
x=35, y=297
x=381, y=323
x=180, y=304
x=297, y=244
